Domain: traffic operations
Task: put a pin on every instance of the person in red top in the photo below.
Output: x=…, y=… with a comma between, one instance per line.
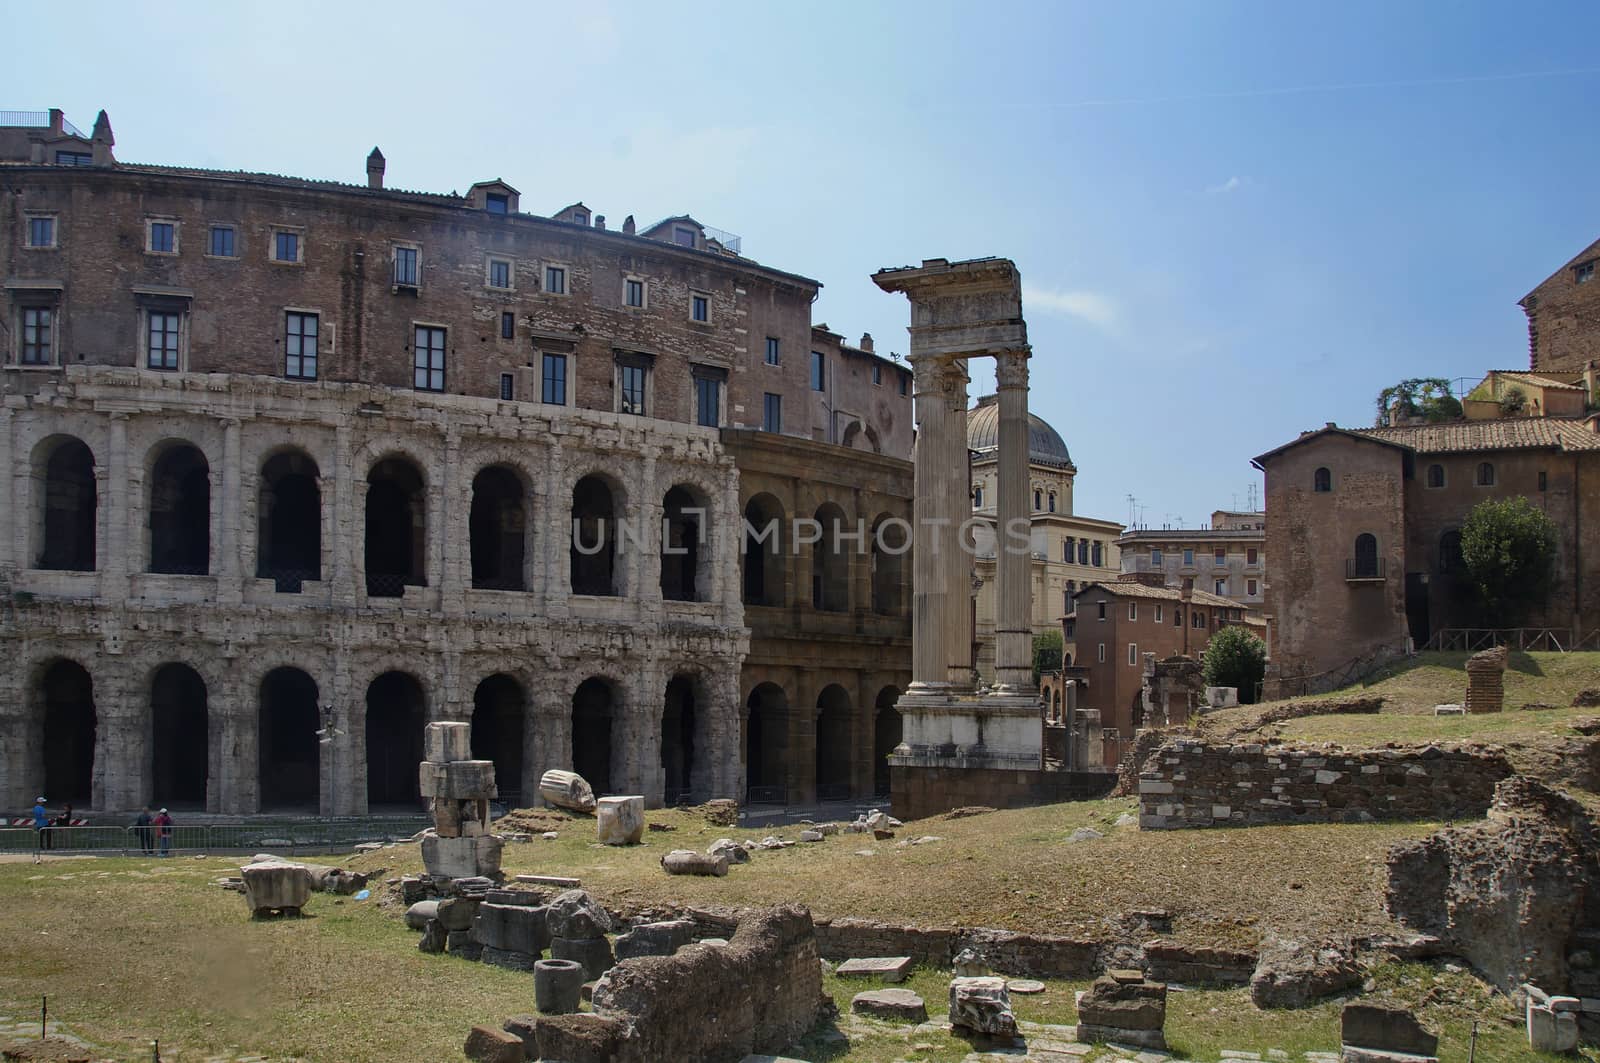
x=164, y=831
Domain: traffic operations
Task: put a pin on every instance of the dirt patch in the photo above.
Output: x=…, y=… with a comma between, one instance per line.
x=52, y=1049
x=1297, y=710
x=538, y=820
x=968, y=810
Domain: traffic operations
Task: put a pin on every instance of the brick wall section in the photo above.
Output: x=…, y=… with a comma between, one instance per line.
x=1564, y=317
x=1193, y=784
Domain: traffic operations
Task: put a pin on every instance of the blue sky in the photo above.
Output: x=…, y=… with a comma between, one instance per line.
x=1234, y=221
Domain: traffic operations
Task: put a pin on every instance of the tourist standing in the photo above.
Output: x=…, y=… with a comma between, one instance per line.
x=63, y=820
x=41, y=822
x=141, y=826
x=164, y=832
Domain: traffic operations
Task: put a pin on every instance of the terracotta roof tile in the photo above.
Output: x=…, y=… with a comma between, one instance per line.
x=1519, y=433
x=1132, y=589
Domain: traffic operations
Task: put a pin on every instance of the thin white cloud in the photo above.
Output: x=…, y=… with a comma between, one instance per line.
x=1232, y=184
x=1095, y=308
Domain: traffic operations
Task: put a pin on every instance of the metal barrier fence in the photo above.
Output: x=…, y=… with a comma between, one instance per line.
x=285, y=836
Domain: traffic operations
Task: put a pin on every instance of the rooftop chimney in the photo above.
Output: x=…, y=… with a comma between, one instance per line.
x=628, y=226
x=866, y=342
x=103, y=140
x=599, y=221
x=375, y=168
x=57, y=120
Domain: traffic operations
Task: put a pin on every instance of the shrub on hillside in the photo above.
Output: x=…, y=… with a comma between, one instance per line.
x=1236, y=658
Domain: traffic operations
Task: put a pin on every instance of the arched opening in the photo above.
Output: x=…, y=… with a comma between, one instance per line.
x=887, y=731
x=593, y=705
x=763, y=551
x=395, y=715
x=64, y=487
x=677, y=738
x=683, y=547
x=180, y=512
x=1366, y=559
x=891, y=542
x=179, y=751
x=1322, y=480
x=69, y=727
x=830, y=564
x=289, y=521
x=1486, y=474
x=594, y=539
x=499, y=706
x=766, y=740
x=1436, y=475
x=833, y=744
x=289, y=757
x=497, y=528
x=397, y=529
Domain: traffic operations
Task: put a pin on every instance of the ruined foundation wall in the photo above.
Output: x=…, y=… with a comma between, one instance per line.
x=1193, y=784
x=919, y=792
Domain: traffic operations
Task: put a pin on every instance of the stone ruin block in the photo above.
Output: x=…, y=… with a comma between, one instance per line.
x=1552, y=1020
x=578, y=916
x=275, y=885
x=512, y=928
x=982, y=1005
x=446, y=742
x=689, y=862
x=655, y=939
x=1125, y=1008
x=462, y=857
x=566, y=789
x=619, y=820
x=1373, y=1032
x=1486, y=681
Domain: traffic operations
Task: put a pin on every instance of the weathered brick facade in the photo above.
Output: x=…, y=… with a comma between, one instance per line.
x=256, y=540
x=1564, y=315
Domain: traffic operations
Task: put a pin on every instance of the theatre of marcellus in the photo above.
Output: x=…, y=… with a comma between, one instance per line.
x=299, y=466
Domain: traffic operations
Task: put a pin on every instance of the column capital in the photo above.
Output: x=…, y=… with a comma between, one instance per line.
x=1011, y=367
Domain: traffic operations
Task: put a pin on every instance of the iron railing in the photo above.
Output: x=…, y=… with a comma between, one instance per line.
x=1525, y=639
x=1359, y=568
x=766, y=795
x=260, y=836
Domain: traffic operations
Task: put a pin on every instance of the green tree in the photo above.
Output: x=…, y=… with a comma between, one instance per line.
x=1047, y=650
x=1428, y=397
x=1236, y=658
x=1509, y=547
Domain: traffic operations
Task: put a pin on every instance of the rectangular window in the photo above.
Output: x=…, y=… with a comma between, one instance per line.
x=771, y=412
x=555, y=280
x=1155, y=557
x=300, y=345
x=1066, y=551
x=632, y=388
x=1096, y=555
x=1083, y=551
x=1584, y=273
x=497, y=203
x=1177, y=617
x=508, y=387
x=683, y=236
x=817, y=364
x=163, y=237
x=1250, y=587
x=1250, y=556
x=554, y=388
x=429, y=361
x=633, y=293
x=405, y=267
x=1157, y=608
x=1198, y=618
x=1133, y=610
x=163, y=339
x=1221, y=587
x=699, y=308
x=772, y=350
x=74, y=158
x=508, y=325
x=1544, y=481
x=1066, y=599
x=36, y=326
x=1188, y=558
x=41, y=232
x=1133, y=653
x=286, y=247
x=1219, y=558
x=499, y=273
x=1100, y=655
x=1102, y=608
x=707, y=401
x=222, y=237
x=905, y=383
x=877, y=375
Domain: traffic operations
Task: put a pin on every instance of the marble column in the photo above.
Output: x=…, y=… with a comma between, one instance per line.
x=1013, y=629
x=954, y=551
x=930, y=595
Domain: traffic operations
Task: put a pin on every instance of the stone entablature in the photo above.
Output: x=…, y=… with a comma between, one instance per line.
x=120, y=624
x=1193, y=784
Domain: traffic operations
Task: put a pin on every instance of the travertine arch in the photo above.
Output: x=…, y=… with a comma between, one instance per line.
x=32, y=516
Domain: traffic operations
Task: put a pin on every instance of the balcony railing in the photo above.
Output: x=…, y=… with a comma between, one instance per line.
x=1358, y=569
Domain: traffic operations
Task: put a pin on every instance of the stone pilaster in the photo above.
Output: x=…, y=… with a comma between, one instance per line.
x=1013, y=627
x=112, y=555
x=230, y=589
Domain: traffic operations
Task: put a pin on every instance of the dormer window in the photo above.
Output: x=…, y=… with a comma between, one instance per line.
x=684, y=236
x=580, y=218
x=497, y=203
x=1584, y=273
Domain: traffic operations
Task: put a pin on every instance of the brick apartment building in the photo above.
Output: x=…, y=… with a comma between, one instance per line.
x=1114, y=624
x=299, y=465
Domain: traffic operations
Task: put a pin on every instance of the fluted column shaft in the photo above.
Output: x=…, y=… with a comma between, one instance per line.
x=1013, y=629
x=930, y=594
x=955, y=557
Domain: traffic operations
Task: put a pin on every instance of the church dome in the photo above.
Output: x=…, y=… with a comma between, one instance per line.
x=1045, y=445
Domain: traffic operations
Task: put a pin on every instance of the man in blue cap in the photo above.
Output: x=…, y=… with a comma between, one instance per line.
x=41, y=820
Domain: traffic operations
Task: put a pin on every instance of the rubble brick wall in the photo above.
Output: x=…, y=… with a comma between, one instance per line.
x=1193, y=784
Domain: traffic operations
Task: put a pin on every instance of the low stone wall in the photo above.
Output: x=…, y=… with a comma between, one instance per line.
x=1168, y=961
x=919, y=792
x=1194, y=784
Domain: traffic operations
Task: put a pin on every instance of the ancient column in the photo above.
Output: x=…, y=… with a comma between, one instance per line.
x=955, y=553
x=930, y=592
x=1013, y=630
